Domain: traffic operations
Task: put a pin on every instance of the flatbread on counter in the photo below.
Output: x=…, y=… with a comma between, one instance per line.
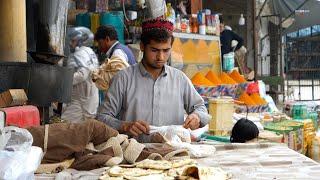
x=182, y=162
x=164, y=164
x=148, y=177
x=165, y=170
x=153, y=164
x=107, y=177
x=206, y=173
x=176, y=172
x=117, y=171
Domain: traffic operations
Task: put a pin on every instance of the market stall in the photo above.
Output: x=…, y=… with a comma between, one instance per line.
x=280, y=149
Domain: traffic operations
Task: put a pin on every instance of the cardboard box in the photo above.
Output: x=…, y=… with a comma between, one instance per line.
x=13, y=97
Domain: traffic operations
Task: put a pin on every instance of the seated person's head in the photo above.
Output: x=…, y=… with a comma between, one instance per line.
x=243, y=131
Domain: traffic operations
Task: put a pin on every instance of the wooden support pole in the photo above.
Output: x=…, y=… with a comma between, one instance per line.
x=13, y=31
x=255, y=37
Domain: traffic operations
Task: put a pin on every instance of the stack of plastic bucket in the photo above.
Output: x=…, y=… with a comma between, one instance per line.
x=116, y=20
x=83, y=19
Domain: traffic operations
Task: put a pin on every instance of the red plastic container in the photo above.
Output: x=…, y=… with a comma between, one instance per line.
x=22, y=116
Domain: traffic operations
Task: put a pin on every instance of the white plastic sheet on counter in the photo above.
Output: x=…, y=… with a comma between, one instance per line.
x=20, y=165
x=18, y=158
x=179, y=137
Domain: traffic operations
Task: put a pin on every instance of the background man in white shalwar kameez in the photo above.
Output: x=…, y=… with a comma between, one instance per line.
x=85, y=94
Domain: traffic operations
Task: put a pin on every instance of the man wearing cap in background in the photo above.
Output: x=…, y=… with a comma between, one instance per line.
x=151, y=92
x=108, y=43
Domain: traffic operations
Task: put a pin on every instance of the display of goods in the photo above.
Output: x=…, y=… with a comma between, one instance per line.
x=242, y=87
x=314, y=150
x=226, y=79
x=208, y=91
x=314, y=116
x=246, y=99
x=228, y=90
x=216, y=91
x=270, y=136
x=257, y=99
x=213, y=78
x=235, y=75
x=292, y=133
x=252, y=109
x=308, y=132
x=296, y=137
x=200, y=80
x=212, y=85
x=299, y=111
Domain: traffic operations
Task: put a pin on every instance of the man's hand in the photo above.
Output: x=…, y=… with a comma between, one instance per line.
x=135, y=128
x=192, y=121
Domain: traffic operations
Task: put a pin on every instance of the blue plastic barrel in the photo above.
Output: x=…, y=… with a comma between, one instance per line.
x=115, y=19
x=83, y=19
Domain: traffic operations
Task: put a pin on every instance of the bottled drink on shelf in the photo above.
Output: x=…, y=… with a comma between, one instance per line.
x=194, y=23
x=178, y=23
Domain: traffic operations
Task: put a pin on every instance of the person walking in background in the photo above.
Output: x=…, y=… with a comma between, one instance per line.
x=226, y=38
x=85, y=95
x=232, y=42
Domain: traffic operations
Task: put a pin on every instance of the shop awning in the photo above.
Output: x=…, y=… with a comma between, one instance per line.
x=305, y=13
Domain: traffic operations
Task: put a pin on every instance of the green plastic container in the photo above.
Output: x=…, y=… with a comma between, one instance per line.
x=314, y=117
x=228, y=61
x=115, y=19
x=83, y=19
x=296, y=111
x=225, y=139
x=278, y=128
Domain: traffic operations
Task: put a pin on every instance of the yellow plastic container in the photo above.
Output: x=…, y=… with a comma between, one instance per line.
x=221, y=111
x=95, y=22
